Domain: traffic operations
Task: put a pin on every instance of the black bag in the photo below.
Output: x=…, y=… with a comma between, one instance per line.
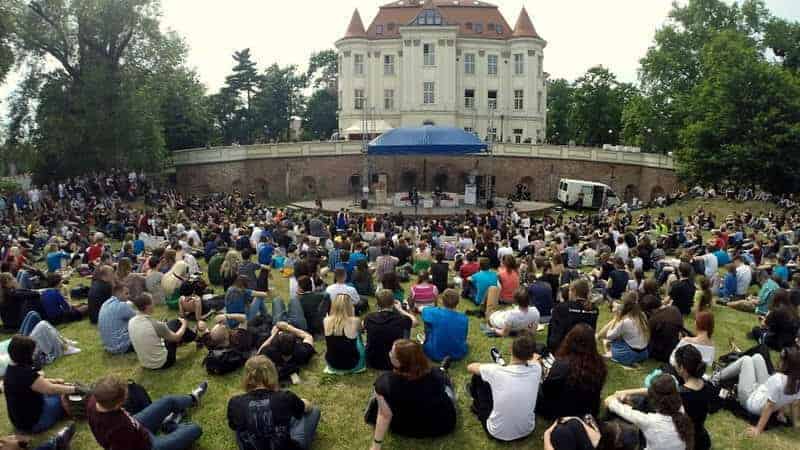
x=221, y=362
x=80, y=292
x=138, y=398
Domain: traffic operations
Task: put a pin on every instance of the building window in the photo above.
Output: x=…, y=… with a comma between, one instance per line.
x=539, y=102
x=538, y=136
x=358, y=64
x=499, y=29
x=469, y=129
x=491, y=134
x=492, y=61
x=541, y=65
x=429, y=17
x=358, y=97
x=469, y=63
x=492, y=100
x=379, y=29
x=388, y=99
x=490, y=26
x=518, y=135
x=429, y=93
x=429, y=52
x=478, y=27
x=388, y=64
x=469, y=98
x=519, y=63
x=519, y=100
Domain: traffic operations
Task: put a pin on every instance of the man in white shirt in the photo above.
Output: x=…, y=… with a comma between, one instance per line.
x=517, y=319
x=339, y=287
x=504, y=250
x=710, y=262
x=622, y=250
x=504, y=397
x=744, y=275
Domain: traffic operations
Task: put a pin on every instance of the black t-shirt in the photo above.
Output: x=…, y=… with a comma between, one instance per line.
x=697, y=405
x=262, y=419
x=420, y=408
x=619, y=283
x=439, y=275
x=23, y=403
x=560, y=398
x=303, y=352
x=665, y=325
x=315, y=307
x=566, y=315
x=682, y=295
x=570, y=435
x=383, y=328
x=782, y=326
x=402, y=253
x=99, y=292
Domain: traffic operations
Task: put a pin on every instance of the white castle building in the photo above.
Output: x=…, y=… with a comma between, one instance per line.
x=446, y=62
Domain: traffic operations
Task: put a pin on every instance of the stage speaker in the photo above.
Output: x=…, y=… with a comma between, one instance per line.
x=364, y=203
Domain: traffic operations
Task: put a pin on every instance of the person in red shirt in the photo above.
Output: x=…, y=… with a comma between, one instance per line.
x=468, y=269
x=115, y=429
x=95, y=251
x=369, y=224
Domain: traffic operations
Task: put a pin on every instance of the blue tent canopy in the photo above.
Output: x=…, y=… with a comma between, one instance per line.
x=426, y=140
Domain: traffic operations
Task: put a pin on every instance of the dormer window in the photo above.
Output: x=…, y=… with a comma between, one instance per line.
x=379, y=29
x=429, y=17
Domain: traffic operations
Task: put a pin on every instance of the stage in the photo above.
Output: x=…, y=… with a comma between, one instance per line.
x=333, y=205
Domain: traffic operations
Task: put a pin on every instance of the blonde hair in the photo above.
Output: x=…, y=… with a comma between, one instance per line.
x=260, y=371
x=230, y=267
x=170, y=282
x=341, y=312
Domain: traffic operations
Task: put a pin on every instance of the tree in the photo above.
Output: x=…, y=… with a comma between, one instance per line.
x=6, y=33
x=783, y=38
x=598, y=101
x=323, y=68
x=185, y=111
x=319, y=120
x=244, y=78
x=224, y=107
x=744, y=119
x=559, y=106
x=279, y=100
x=98, y=108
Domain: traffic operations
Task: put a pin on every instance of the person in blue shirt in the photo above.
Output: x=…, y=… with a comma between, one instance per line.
x=138, y=247
x=540, y=294
x=211, y=248
x=240, y=300
x=445, y=329
x=54, y=258
x=56, y=308
x=352, y=262
x=781, y=271
x=265, y=250
x=482, y=280
x=723, y=258
x=728, y=289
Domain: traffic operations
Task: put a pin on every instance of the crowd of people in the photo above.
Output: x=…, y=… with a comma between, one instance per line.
x=520, y=275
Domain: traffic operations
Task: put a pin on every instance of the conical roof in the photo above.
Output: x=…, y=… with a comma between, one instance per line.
x=356, y=27
x=524, y=27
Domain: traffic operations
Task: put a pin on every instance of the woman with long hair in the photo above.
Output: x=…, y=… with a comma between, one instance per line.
x=704, y=330
x=627, y=333
x=124, y=268
x=509, y=278
x=575, y=381
x=761, y=394
x=413, y=399
x=172, y=281
x=667, y=427
x=294, y=419
x=778, y=329
x=390, y=281
x=423, y=293
x=229, y=270
x=345, y=351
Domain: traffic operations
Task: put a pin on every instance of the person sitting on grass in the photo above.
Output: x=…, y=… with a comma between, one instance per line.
x=384, y=326
x=667, y=427
x=33, y=402
x=340, y=286
x=293, y=420
x=156, y=343
x=423, y=293
x=412, y=400
x=704, y=330
x=54, y=305
x=290, y=348
x=60, y=441
x=115, y=429
x=504, y=396
x=362, y=279
x=315, y=304
x=112, y=322
x=567, y=314
x=759, y=304
x=99, y=291
x=482, y=280
x=509, y=321
x=344, y=350
x=626, y=336
x=241, y=300
x=761, y=394
x=445, y=329
x=778, y=329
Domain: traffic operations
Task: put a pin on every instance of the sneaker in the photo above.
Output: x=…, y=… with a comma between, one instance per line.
x=446, y=363
x=171, y=422
x=63, y=438
x=497, y=357
x=716, y=377
x=199, y=392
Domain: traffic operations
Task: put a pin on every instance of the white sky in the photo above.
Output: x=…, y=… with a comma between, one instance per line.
x=580, y=33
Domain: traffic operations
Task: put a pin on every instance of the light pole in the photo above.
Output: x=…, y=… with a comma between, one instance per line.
x=649, y=139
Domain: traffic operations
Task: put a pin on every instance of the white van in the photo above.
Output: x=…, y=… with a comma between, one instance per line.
x=586, y=194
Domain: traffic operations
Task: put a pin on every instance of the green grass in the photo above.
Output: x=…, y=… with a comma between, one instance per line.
x=343, y=399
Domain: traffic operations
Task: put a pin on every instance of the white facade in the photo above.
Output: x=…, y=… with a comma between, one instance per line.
x=393, y=83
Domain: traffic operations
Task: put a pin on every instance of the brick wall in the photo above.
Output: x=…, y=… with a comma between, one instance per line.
x=330, y=176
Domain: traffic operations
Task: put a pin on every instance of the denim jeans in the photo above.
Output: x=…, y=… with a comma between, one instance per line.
x=257, y=307
x=153, y=416
x=304, y=429
x=24, y=280
x=29, y=323
x=52, y=412
x=294, y=315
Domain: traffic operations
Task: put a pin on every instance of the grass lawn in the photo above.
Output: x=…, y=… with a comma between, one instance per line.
x=343, y=399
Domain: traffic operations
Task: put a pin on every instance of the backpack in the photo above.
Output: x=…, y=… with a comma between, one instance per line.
x=138, y=398
x=224, y=361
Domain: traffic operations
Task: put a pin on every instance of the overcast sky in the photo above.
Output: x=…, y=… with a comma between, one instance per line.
x=580, y=33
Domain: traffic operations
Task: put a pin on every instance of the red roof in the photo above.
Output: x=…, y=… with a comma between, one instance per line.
x=524, y=26
x=474, y=18
x=356, y=27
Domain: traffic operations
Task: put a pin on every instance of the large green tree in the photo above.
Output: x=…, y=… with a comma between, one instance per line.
x=319, y=118
x=744, y=119
x=279, y=100
x=598, y=100
x=559, y=107
x=6, y=33
x=323, y=70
